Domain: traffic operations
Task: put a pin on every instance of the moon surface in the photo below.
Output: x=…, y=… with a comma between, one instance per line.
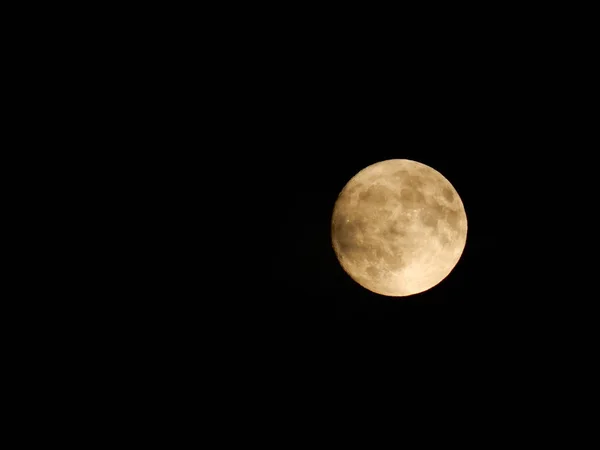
x=398, y=227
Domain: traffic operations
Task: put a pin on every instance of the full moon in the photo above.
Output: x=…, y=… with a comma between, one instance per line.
x=398, y=228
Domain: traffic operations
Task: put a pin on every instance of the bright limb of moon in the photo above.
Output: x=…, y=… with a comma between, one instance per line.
x=398, y=228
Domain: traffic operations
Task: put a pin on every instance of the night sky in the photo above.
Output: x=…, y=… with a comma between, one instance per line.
x=325, y=122
x=311, y=112
x=267, y=118
x=303, y=266
x=308, y=111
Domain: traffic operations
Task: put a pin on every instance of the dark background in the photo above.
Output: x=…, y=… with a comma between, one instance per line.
x=303, y=269
x=297, y=107
x=240, y=136
x=314, y=118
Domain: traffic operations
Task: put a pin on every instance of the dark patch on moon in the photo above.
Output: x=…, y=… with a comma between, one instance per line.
x=410, y=197
x=430, y=217
x=395, y=230
x=410, y=179
x=348, y=245
x=373, y=271
x=448, y=194
x=452, y=217
x=376, y=194
x=393, y=259
x=444, y=240
x=348, y=233
x=351, y=190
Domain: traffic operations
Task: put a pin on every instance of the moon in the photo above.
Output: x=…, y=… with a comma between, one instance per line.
x=398, y=228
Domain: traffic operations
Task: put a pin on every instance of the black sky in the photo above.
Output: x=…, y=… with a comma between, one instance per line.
x=307, y=109
x=303, y=267
x=353, y=110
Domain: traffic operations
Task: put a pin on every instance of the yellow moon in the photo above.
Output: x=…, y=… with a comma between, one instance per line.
x=398, y=227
